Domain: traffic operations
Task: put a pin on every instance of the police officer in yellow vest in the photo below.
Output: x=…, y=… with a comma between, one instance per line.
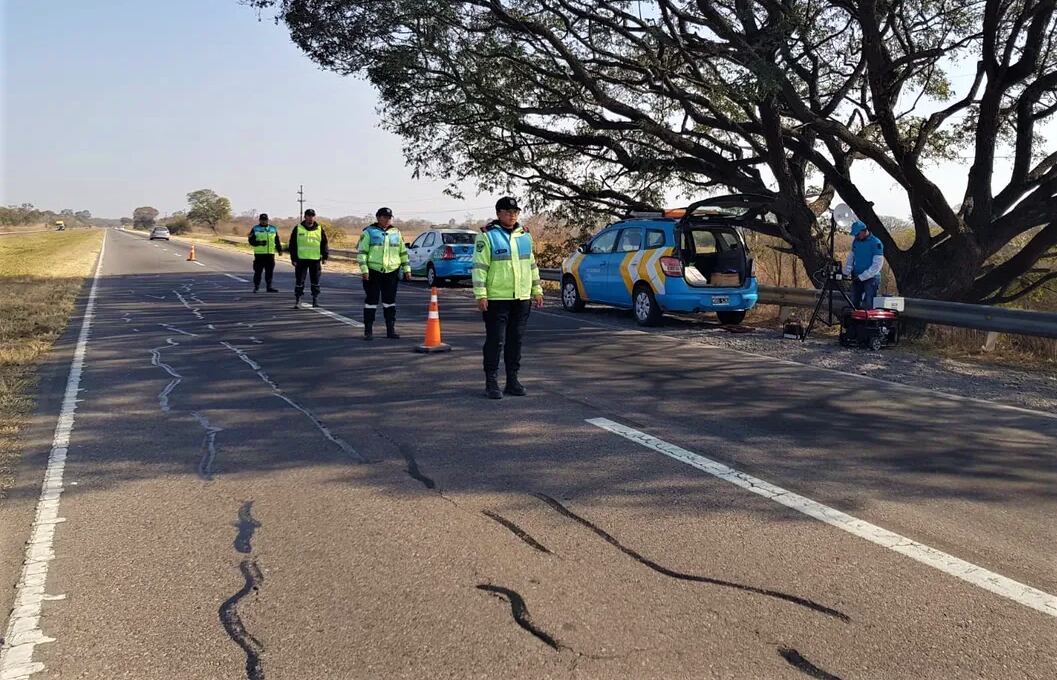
x=266, y=245
x=308, y=252
x=505, y=277
x=382, y=259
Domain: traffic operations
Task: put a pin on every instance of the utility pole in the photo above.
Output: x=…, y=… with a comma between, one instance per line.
x=301, y=202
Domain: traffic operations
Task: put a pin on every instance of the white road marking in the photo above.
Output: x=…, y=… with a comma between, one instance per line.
x=23, y=629
x=198, y=263
x=337, y=317
x=968, y=572
x=237, y=278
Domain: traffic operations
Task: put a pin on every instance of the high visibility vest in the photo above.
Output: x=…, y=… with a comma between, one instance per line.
x=308, y=242
x=504, y=265
x=382, y=250
x=267, y=235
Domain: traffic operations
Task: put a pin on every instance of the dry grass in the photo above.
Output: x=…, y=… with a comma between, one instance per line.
x=40, y=277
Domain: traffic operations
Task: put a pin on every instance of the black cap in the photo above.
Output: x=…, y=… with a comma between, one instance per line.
x=383, y=212
x=507, y=203
x=262, y=216
x=310, y=213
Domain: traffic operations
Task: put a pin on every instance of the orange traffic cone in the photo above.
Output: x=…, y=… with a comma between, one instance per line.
x=433, y=343
x=191, y=255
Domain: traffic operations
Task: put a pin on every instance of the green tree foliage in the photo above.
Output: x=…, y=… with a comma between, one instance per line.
x=208, y=208
x=612, y=105
x=143, y=217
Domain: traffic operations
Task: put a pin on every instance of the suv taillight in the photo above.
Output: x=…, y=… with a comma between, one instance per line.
x=672, y=266
x=449, y=253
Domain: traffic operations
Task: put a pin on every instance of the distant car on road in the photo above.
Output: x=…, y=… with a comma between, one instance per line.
x=686, y=260
x=442, y=255
x=159, y=233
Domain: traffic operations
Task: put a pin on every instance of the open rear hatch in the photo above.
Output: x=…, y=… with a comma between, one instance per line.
x=711, y=248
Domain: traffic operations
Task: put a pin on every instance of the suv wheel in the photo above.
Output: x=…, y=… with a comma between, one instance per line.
x=571, y=299
x=647, y=311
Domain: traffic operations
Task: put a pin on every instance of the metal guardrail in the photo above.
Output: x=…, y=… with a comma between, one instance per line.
x=979, y=317
x=340, y=252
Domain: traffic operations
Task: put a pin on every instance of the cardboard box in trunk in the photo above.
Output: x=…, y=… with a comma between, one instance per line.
x=725, y=280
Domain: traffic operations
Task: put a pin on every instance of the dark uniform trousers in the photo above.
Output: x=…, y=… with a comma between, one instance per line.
x=505, y=323
x=310, y=267
x=263, y=264
x=380, y=285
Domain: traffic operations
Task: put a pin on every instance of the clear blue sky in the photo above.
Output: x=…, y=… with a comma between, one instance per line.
x=112, y=104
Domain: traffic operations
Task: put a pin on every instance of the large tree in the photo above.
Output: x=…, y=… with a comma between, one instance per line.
x=208, y=208
x=143, y=217
x=614, y=104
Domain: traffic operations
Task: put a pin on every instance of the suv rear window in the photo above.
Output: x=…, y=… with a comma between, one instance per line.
x=458, y=238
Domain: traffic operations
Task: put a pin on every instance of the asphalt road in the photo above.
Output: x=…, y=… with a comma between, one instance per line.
x=252, y=491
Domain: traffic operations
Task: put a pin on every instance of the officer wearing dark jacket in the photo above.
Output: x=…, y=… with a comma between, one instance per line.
x=266, y=245
x=308, y=252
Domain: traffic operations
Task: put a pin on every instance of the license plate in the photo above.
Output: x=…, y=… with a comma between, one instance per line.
x=721, y=299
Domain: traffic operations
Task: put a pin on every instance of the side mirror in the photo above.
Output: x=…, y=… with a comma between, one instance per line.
x=582, y=249
x=406, y=244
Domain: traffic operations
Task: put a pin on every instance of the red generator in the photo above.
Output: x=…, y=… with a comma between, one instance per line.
x=873, y=328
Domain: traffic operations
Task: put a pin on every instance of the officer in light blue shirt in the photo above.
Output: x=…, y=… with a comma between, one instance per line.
x=864, y=264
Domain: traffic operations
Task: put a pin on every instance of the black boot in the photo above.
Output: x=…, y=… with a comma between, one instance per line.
x=368, y=323
x=491, y=385
x=255, y=288
x=272, y=290
x=297, y=302
x=315, y=301
x=390, y=323
x=513, y=386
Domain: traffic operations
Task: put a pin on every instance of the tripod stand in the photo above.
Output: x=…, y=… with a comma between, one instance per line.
x=834, y=279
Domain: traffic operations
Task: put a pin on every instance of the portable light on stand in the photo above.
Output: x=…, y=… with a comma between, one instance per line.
x=841, y=216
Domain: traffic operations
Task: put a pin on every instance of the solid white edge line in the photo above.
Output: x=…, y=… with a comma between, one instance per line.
x=23, y=629
x=966, y=571
x=237, y=278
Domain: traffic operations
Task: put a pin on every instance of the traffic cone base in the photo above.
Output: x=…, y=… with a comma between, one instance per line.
x=433, y=345
x=191, y=255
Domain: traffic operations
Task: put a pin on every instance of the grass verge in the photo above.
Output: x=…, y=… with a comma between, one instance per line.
x=40, y=278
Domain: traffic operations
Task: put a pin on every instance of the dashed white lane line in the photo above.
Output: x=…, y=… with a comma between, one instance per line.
x=198, y=263
x=337, y=317
x=23, y=628
x=237, y=278
x=948, y=564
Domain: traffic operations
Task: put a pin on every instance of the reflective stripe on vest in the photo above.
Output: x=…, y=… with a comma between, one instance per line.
x=264, y=234
x=500, y=241
x=309, y=242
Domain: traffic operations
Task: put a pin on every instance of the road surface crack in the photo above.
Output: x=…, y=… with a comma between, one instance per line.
x=520, y=612
x=253, y=579
x=660, y=569
x=246, y=526
x=163, y=396
x=209, y=446
x=277, y=392
x=794, y=659
x=517, y=531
